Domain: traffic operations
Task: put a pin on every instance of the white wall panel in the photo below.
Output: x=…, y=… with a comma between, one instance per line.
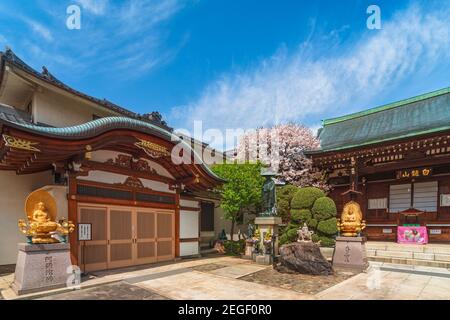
x=189, y=248
x=189, y=224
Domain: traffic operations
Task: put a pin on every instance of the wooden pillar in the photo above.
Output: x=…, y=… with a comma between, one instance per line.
x=73, y=216
x=353, y=174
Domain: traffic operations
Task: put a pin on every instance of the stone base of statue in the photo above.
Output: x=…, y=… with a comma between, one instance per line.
x=270, y=225
x=249, y=247
x=303, y=257
x=264, y=259
x=41, y=267
x=350, y=252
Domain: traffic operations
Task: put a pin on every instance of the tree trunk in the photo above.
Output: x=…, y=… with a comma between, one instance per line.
x=232, y=228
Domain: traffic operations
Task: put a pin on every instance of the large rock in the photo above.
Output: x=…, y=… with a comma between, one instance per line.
x=303, y=257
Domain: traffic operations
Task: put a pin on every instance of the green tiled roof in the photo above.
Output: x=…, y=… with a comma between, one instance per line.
x=99, y=126
x=419, y=115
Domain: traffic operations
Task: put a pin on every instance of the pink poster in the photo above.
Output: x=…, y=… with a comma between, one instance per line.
x=415, y=235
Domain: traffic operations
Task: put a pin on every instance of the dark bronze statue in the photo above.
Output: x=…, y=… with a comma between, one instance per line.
x=268, y=194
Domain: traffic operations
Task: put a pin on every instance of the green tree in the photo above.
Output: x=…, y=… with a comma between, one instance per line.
x=242, y=192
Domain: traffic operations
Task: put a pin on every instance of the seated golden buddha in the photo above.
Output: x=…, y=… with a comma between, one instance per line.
x=351, y=224
x=40, y=207
x=41, y=222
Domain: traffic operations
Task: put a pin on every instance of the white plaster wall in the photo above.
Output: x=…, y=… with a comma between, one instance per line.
x=189, y=248
x=13, y=191
x=105, y=155
x=61, y=111
x=189, y=227
x=189, y=203
x=111, y=178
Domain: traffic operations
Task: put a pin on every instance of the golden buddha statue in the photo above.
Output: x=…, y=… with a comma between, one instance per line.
x=40, y=207
x=351, y=224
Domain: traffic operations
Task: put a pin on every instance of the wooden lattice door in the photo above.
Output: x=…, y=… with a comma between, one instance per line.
x=145, y=243
x=121, y=238
x=125, y=236
x=94, y=254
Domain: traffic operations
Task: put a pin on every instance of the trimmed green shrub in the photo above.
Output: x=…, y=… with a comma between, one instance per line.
x=283, y=208
x=283, y=239
x=234, y=247
x=284, y=197
x=309, y=205
x=292, y=233
x=301, y=215
x=327, y=242
x=315, y=237
x=328, y=227
x=324, y=208
x=324, y=241
x=312, y=223
x=304, y=198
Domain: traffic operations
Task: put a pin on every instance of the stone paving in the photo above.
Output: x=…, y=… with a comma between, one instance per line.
x=222, y=277
x=401, y=284
x=112, y=291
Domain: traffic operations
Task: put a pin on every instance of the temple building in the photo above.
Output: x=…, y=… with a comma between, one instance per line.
x=395, y=161
x=107, y=168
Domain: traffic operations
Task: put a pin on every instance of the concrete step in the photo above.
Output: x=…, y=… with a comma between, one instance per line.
x=207, y=251
x=409, y=255
x=413, y=262
x=429, y=248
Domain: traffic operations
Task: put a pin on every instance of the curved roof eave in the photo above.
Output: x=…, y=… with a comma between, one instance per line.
x=96, y=127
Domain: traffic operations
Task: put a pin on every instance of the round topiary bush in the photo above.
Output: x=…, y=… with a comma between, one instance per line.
x=324, y=208
x=328, y=227
x=283, y=208
x=326, y=241
x=304, y=198
x=284, y=197
x=312, y=223
x=301, y=215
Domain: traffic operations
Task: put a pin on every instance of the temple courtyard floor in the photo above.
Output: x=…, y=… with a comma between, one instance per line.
x=224, y=277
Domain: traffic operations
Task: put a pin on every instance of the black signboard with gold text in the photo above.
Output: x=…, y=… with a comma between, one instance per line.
x=414, y=173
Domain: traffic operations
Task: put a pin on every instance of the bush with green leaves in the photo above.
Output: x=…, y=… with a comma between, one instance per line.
x=234, y=248
x=310, y=205
x=284, y=197
x=304, y=198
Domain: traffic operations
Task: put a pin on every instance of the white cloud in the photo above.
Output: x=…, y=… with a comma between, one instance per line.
x=39, y=29
x=97, y=7
x=292, y=86
x=138, y=14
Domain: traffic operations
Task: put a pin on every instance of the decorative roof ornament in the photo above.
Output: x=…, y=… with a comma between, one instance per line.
x=156, y=118
x=152, y=149
x=18, y=143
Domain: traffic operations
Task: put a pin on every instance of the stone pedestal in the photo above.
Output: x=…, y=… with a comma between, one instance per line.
x=248, y=250
x=41, y=267
x=350, y=252
x=265, y=225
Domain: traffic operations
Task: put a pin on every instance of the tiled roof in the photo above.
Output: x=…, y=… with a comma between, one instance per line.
x=10, y=57
x=99, y=126
x=14, y=115
x=415, y=116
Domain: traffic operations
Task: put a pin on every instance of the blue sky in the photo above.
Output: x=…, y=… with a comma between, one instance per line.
x=237, y=64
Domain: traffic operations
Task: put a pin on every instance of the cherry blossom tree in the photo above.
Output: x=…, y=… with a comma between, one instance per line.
x=282, y=147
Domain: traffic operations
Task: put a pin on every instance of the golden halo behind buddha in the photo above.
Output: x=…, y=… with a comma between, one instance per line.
x=35, y=198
